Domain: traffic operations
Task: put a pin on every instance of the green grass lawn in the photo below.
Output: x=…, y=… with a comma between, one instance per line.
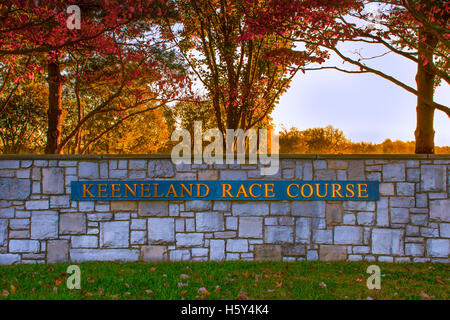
x=228, y=280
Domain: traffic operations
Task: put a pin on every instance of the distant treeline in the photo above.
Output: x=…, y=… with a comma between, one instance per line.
x=333, y=141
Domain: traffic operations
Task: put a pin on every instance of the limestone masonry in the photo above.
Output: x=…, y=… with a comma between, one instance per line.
x=39, y=223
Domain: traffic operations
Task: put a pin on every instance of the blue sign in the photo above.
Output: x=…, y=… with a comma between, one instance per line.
x=224, y=190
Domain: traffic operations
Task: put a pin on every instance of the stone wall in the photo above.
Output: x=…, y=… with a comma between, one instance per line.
x=39, y=222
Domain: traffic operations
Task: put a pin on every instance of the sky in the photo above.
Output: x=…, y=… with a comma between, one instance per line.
x=365, y=107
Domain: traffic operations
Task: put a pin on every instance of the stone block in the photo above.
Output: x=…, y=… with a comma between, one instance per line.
x=154, y=208
x=348, y=235
x=298, y=250
x=208, y=175
x=268, y=252
x=84, y=241
x=438, y=248
x=57, y=251
x=237, y=245
x=7, y=213
x=322, y=236
x=303, y=230
x=154, y=253
x=356, y=170
x=440, y=210
x=394, y=172
x=24, y=246
x=334, y=213
x=15, y=189
x=3, y=232
x=279, y=234
x=53, y=181
x=216, y=250
x=88, y=170
x=309, y=209
x=72, y=223
x=180, y=255
x=8, y=258
x=37, y=204
x=387, y=241
x=124, y=255
x=114, y=234
x=250, y=227
x=123, y=205
x=365, y=218
x=189, y=240
x=138, y=237
x=138, y=164
x=280, y=208
x=161, y=230
x=414, y=249
x=59, y=202
x=444, y=230
x=209, y=221
x=160, y=169
x=197, y=205
x=332, y=253
x=44, y=225
x=399, y=215
x=433, y=178
x=250, y=208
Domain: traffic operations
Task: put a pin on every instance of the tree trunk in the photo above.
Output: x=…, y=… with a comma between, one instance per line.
x=55, y=110
x=425, y=87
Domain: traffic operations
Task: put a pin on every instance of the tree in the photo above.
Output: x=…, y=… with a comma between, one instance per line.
x=243, y=76
x=417, y=30
x=109, y=28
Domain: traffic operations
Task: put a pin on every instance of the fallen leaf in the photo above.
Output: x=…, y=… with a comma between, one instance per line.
x=438, y=281
x=12, y=288
x=152, y=269
x=5, y=293
x=55, y=289
x=58, y=282
x=181, y=284
x=127, y=285
x=423, y=295
x=184, y=276
x=148, y=291
x=323, y=284
x=370, y=298
x=183, y=292
x=270, y=290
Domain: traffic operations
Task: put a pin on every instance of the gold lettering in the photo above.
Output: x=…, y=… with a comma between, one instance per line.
x=226, y=189
x=199, y=186
x=114, y=190
x=242, y=191
x=102, y=189
x=302, y=191
x=337, y=190
x=361, y=190
x=318, y=190
x=289, y=190
x=146, y=189
x=267, y=190
x=251, y=190
x=183, y=188
x=351, y=190
x=171, y=190
x=155, y=187
x=86, y=190
x=127, y=188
